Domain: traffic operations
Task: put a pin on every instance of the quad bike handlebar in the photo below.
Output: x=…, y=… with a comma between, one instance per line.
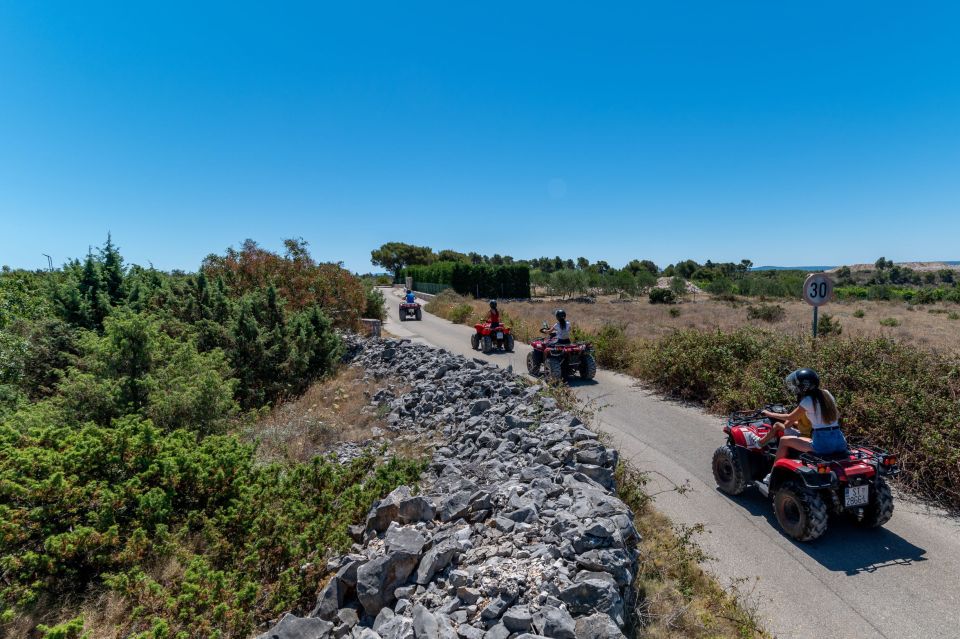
x=748, y=416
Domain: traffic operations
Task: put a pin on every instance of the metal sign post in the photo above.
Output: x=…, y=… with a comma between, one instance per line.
x=817, y=291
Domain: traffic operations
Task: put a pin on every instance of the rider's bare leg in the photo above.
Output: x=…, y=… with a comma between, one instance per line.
x=775, y=430
x=788, y=443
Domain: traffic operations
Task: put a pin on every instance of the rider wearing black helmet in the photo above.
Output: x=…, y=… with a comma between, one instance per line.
x=493, y=315
x=815, y=417
x=560, y=330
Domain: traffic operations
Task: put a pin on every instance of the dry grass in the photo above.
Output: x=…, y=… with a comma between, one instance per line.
x=933, y=327
x=676, y=598
x=333, y=410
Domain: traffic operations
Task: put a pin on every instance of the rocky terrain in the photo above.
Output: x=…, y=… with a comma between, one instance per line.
x=514, y=532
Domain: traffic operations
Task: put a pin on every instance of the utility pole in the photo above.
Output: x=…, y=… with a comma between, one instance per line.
x=49, y=261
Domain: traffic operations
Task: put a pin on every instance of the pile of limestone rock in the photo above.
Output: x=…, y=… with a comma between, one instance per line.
x=514, y=531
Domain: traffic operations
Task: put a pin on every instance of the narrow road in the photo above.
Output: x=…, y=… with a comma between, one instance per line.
x=897, y=581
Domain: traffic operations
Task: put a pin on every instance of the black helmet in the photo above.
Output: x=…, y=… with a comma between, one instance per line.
x=561, y=314
x=802, y=381
x=408, y=290
x=493, y=303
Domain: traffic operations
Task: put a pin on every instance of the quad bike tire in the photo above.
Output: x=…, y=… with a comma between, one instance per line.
x=555, y=368
x=880, y=510
x=487, y=344
x=588, y=367
x=419, y=315
x=728, y=472
x=508, y=343
x=475, y=342
x=534, y=361
x=403, y=315
x=802, y=514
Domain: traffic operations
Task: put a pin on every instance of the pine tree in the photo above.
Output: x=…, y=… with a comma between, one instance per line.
x=112, y=271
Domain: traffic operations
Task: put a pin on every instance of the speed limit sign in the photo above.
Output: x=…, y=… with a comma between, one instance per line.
x=817, y=289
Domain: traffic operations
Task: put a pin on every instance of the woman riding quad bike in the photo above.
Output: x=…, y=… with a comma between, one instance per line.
x=493, y=315
x=560, y=332
x=558, y=355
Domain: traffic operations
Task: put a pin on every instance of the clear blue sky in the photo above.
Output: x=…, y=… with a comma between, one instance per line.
x=789, y=133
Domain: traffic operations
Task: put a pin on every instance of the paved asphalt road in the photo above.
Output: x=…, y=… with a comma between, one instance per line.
x=902, y=580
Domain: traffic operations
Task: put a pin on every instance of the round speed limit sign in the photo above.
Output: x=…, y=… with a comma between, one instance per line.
x=817, y=289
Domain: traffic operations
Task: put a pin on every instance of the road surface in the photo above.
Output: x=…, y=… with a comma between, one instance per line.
x=902, y=580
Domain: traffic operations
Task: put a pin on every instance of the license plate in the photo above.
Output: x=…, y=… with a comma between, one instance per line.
x=499, y=335
x=857, y=496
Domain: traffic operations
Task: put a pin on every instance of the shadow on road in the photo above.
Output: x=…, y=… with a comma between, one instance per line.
x=846, y=547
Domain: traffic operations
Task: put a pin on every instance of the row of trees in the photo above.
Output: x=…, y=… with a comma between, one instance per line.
x=479, y=280
x=395, y=256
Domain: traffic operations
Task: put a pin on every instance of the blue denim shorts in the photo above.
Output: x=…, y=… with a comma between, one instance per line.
x=828, y=440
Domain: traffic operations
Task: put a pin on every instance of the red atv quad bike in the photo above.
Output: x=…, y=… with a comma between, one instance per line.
x=561, y=360
x=410, y=311
x=490, y=338
x=806, y=489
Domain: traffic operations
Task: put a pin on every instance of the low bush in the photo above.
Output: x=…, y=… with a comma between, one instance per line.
x=662, y=296
x=98, y=505
x=953, y=315
x=460, y=313
x=766, y=312
x=828, y=325
x=890, y=321
x=674, y=312
x=612, y=348
x=376, y=305
x=859, y=313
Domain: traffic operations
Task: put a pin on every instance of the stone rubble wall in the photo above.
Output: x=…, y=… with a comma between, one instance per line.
x=516, y=531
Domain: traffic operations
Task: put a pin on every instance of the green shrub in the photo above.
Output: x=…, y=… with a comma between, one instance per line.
x=859, y=313
x=96, y=505
x=953, y=315
x=766, y=312
x=612, y=348
x=890, y=321
x=460, y=313
x=828, y=325
x=662, y=296
x=376, y=305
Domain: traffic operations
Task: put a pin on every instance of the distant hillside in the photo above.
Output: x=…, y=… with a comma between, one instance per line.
x=914, y=266
x=792, y=268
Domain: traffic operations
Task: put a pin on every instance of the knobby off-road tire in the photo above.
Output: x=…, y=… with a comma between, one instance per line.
x=534, y=360
x=419, y=315
x=475, y=342
x=880, y=509
x=487, y=344
x=555, y=368
x=508, y=343
x=801, y=513
x=588, y=367
x=728, y=472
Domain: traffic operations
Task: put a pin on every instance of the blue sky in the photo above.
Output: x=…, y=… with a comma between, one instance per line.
x=788, y=133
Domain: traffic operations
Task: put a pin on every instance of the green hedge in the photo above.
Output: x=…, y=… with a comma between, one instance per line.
x=478, y=280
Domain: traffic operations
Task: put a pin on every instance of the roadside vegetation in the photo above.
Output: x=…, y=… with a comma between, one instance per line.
x=135, y=498
x=893, y=392
x=675, y=597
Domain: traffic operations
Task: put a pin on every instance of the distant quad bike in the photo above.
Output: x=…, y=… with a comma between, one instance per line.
x=805, y=490
x=561, y=360
x=489, y=338
x=410, y=312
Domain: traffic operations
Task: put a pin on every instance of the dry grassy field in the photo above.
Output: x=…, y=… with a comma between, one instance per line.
x=936, y=327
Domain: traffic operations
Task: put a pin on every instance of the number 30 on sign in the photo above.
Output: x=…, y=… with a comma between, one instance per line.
x=817, y=289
